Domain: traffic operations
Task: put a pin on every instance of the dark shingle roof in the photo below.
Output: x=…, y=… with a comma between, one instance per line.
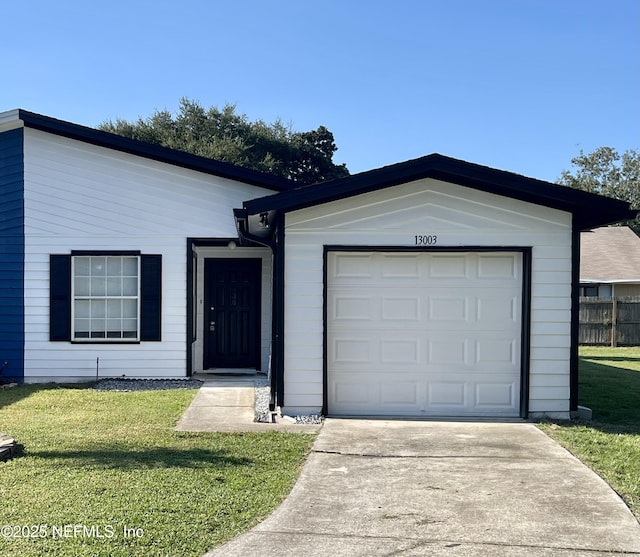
x=610, y=254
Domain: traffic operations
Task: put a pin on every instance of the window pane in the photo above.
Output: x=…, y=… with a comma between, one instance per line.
x=114, y=308
x=129, y=308
x=82, y=326
x=130, y=266
x=98, y=286
x=98, y=308
x=98, y=266
x=113, y=325
x=81, y=286
x=114, y=286
x=130, y=325
x=114, y=266
x=82, y=308
x=129, y=286
x=81, y=266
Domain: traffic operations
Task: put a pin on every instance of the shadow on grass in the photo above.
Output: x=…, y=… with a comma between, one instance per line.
x=611, y=358
x=19, y=392
x=612, y=393
x=604, y=427
x=151, y=458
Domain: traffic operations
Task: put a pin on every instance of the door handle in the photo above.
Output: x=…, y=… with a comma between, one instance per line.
x=212, y=326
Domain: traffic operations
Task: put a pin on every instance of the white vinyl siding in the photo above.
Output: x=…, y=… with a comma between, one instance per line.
x=88, y=198
x=459, y=217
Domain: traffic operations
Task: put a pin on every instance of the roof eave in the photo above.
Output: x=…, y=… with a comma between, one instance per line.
x=590, y=210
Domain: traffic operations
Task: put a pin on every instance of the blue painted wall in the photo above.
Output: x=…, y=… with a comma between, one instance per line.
x=11, y=256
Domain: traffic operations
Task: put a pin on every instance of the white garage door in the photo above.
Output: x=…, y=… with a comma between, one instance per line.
x=424, y=334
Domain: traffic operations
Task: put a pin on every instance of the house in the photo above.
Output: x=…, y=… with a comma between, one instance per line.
x=610, y=263
x=433, y=287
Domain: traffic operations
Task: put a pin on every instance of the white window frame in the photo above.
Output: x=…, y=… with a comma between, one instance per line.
x=89, y=297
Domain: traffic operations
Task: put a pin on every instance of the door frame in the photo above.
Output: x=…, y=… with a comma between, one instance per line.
x=525, y=339
x=200, y=249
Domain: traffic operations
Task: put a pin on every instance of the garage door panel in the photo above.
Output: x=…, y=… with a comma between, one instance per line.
x=400, y=267
x=448, y=351
x=400, y=308
x=347, y=307
x=448, y=266
x=449, y=308
x=502, y=352
x=400, y=351
x=446, y=397
x=403, y=393
x=503, y=266
x=424, y=334
x=352, y=351
x=350, y=394
x=496, y=308
x=496, y=396
x=349, y=266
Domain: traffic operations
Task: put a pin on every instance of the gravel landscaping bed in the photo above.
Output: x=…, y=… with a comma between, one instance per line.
x=262, y=397
x=145, y=384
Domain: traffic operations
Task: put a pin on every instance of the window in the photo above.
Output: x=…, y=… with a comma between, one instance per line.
x=105, y=297
x=603, y=291
x=106, y=293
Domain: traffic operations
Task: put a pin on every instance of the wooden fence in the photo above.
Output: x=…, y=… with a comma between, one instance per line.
x=614, y=322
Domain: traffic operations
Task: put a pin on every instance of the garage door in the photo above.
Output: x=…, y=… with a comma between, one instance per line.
x=424, y=333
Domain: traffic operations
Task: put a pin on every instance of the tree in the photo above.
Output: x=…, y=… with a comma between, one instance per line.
x=224, y=135
x=606, y=172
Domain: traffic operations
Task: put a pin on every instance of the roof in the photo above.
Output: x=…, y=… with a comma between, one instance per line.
x=589, y=210
x=610, y=255
x=143, y=149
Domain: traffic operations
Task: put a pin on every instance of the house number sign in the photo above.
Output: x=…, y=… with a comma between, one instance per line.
x=426, y=240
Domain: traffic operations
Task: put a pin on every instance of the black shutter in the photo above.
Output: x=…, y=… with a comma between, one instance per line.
x=151, y=297
x=60, y=297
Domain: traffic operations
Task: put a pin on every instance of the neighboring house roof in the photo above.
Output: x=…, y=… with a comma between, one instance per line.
x=610, y=255
x=589, y=210
x=100, y=138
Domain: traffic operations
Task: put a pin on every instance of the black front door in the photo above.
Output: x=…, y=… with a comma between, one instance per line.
x=232, y=313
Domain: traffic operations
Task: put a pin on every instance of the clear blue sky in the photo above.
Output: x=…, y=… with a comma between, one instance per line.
x=520, y=85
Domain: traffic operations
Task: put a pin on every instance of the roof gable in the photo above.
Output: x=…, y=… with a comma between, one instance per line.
x=147, y=150
x=588, y=209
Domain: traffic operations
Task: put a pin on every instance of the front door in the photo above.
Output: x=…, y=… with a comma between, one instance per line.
x=232, y=313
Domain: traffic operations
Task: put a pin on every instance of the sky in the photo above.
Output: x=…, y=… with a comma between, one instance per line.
x=518, y=85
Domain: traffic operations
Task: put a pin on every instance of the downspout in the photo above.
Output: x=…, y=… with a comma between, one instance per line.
x=575, y=317
x=277, y=296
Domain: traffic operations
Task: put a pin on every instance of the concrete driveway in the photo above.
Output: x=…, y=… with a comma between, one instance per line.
x=411, y=488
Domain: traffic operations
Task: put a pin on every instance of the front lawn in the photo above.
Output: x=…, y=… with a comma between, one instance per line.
x=609, y=384
x=105, y=474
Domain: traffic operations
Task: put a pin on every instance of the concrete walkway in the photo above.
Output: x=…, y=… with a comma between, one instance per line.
x=414, y=488
x=226, y=403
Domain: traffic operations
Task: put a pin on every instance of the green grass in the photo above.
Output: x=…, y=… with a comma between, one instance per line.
x=609, y=384
x=107, y=461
